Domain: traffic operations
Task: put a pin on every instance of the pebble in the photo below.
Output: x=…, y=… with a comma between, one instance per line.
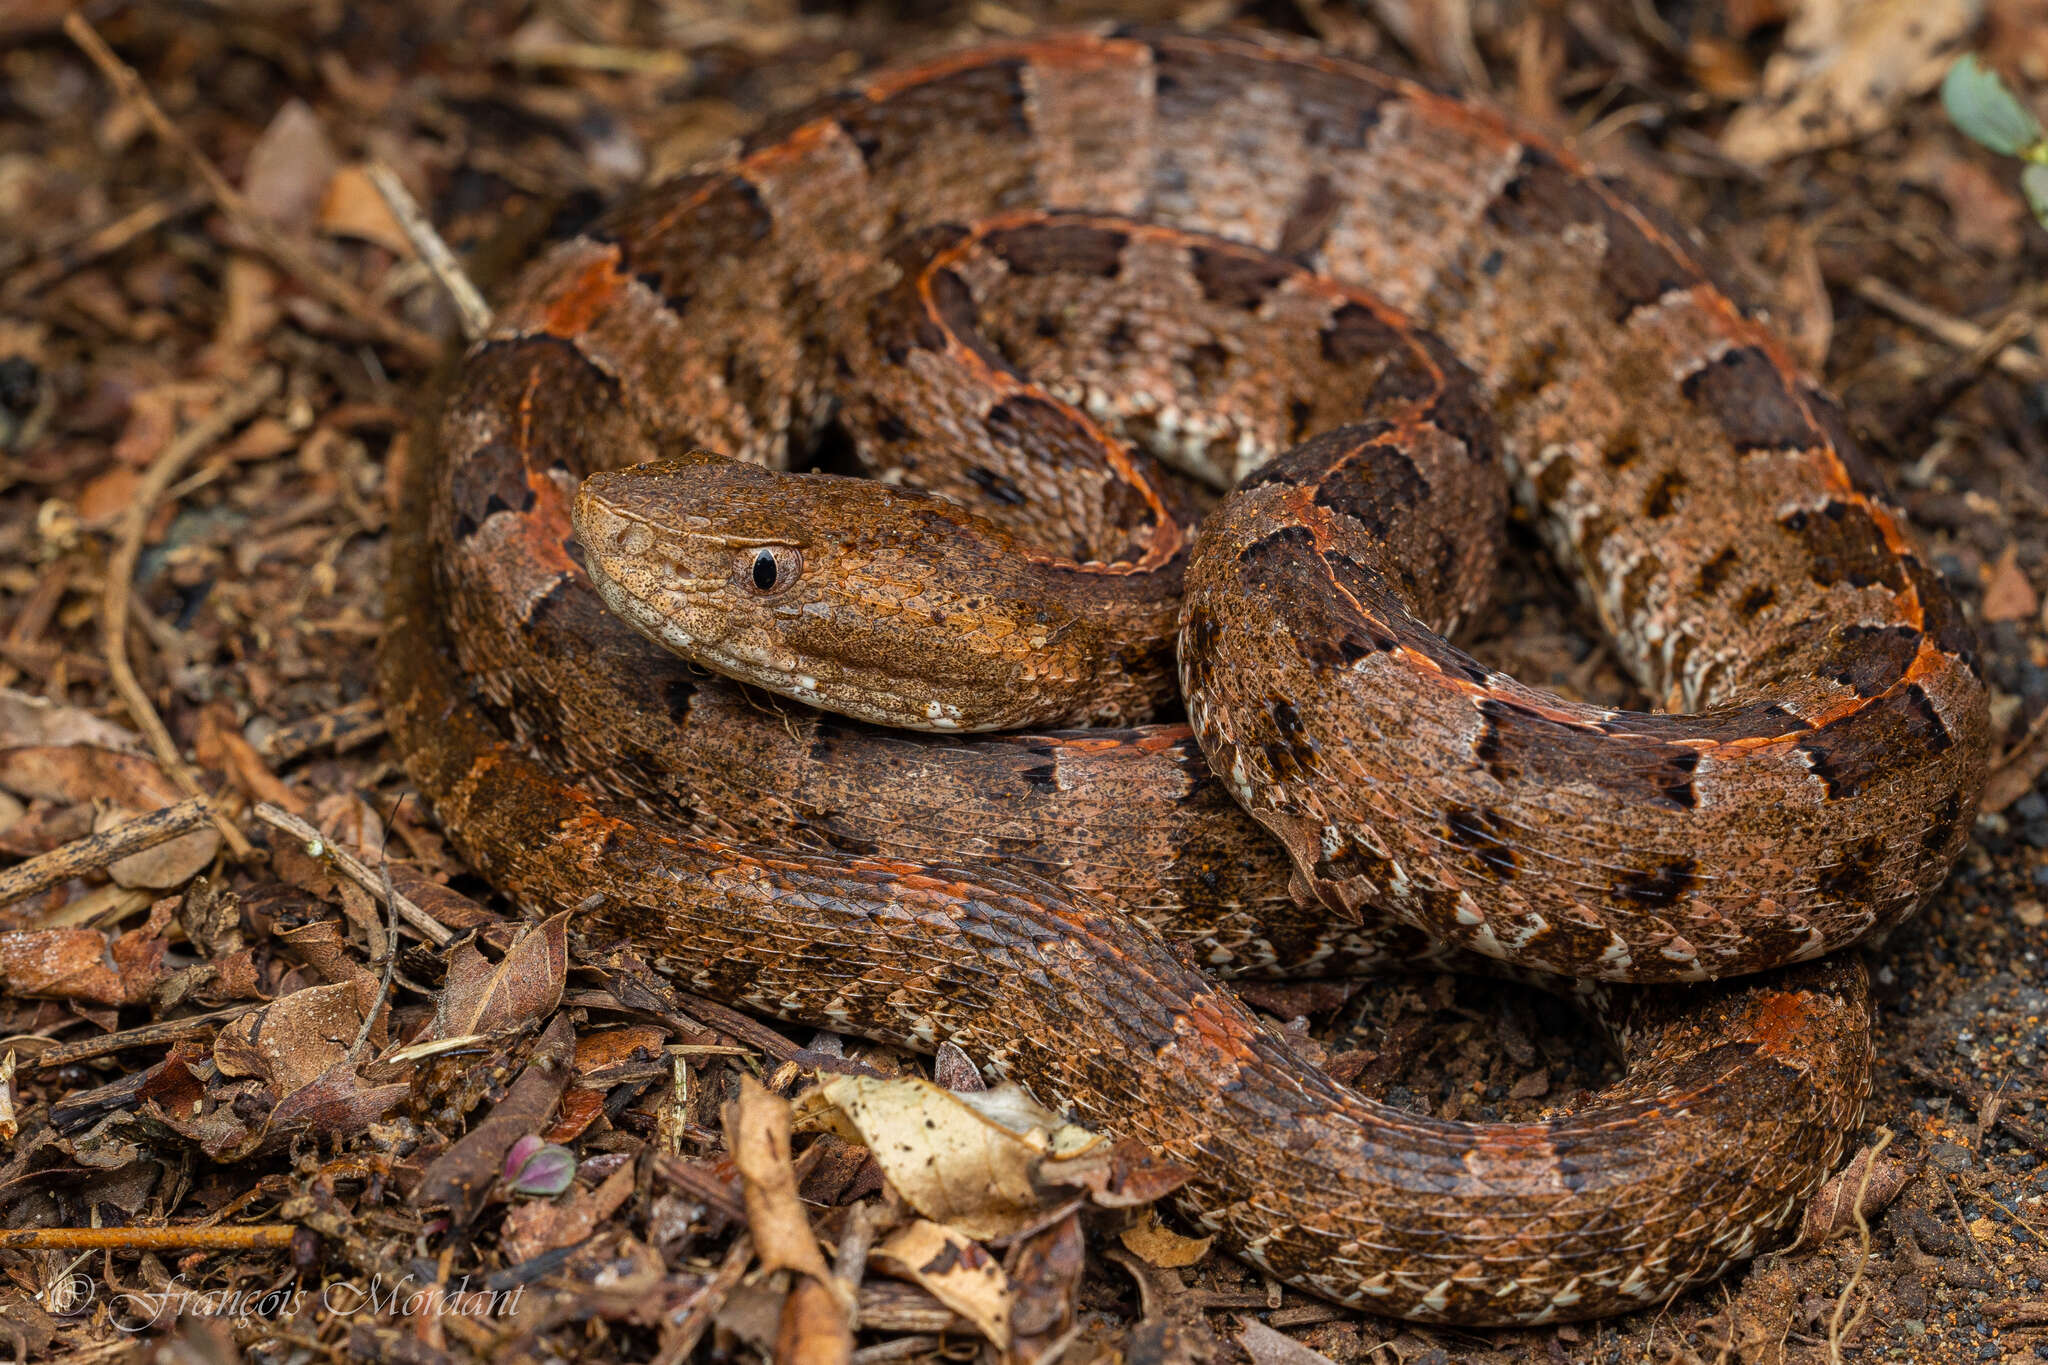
x=1951, y=1156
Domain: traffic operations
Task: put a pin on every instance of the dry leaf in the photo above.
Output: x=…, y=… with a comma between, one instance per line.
x=289, y=167
x=1832, y=1212
x=290, y=1042
x=814, y=1328
x=1161, y=1246
x=953, y=1269
x=1269, y=1347
x=59, y=964
x=540, y=1225
x=972, y=1160
x=757, y=1128
x=353, y=208
x=1844, y=68
x=524, y=986
x=27, y=720
x=2009, y=596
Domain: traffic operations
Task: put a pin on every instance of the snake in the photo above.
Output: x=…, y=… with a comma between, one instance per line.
x=1040, y=291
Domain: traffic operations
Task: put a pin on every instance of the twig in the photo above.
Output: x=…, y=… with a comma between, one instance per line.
x=1957, y=332
x=1964, y=1223
x=680, y=1346
x=103, y=240
x=470, y=308
x=391, y=899
x=250, y=1237
x=280, y=248
x=2014, y=772
x=352, y=867
x=96, y=851
x=1836, y=1331
x=342, y=729
x=163, y=471
x=144, y=1035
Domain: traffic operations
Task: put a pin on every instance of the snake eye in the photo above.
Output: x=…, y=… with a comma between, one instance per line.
x=768, y=569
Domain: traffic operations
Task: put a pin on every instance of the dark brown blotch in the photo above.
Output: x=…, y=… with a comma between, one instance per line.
x=1058, y=248
x=674, y=253
x=1722, y=725
x=1041, y=430
x=953, y=303
x=1940, y=616
x=996, y=485
x=1542, y=199
x=491, y=479
x=1656, y=886
x=1662, y=499
x=1637, y=269
x=1834, y=425
x=1892, y=735
x=1355, y=333
x=986, y=103
x=1749, y=396
x=1381, y=615
x=1482, y=832
x=1518, y=746
x=1714, y=573
x=1844, y=545
x=1855, y=867
x=1237, y=278
x=1309, y=221
x=1374, y=485
x=1869, y=659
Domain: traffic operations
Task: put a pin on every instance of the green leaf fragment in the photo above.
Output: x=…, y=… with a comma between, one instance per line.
x=1979, y=103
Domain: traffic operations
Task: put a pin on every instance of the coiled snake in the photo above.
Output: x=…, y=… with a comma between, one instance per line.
x=996, y=264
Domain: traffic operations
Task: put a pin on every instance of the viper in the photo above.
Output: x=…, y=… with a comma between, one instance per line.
x=1039, y=291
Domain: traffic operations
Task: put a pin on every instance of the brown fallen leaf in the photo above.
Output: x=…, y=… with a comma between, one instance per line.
x=352, y=207
x=525, y=985
x=1161, y=1246
x=59, y=964
x=461, y=1178
x=955, y=1270
x=1266, y=1346
x=2009, y=596
x=1869, y=1182
x=540, y=1225
x=814, y=1328
x=757, y=1133
x=1045, y=1273
x=289, y=167
x=291, y=1041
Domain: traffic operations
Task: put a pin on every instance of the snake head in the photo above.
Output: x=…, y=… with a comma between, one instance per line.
x=885, y=604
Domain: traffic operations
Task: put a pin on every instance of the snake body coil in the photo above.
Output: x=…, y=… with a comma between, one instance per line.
x=1156, y=220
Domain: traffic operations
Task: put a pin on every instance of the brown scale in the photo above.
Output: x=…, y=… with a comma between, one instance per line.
x=569, y=759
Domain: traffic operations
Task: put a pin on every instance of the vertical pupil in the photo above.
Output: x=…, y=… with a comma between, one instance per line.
x=764, y=569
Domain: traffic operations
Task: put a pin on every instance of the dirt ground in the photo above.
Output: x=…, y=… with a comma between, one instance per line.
x=239, y=360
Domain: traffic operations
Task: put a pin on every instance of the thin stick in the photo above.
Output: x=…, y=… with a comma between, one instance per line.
x=709, y=1300
x=354, y=869
x=252, y=1237
x=163, y=471
x=281, y=249
x=103, y=240
x=96, y=851
x=1836, y=1331
x=1963, y=335
x=143, y=1035
x=470, y=308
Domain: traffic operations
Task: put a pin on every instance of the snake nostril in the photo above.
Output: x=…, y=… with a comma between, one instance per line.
x=633, y=538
